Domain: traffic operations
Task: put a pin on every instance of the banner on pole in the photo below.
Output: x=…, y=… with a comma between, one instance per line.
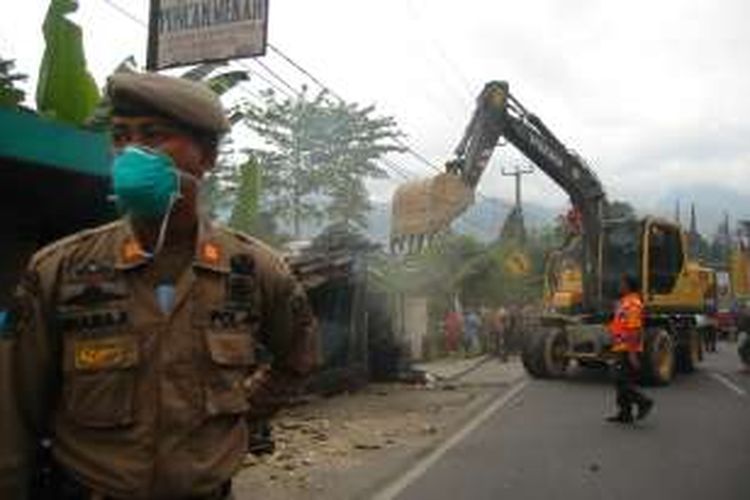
x=184, y=32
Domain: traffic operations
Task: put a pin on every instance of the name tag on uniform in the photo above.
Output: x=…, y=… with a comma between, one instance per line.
x=113, y=353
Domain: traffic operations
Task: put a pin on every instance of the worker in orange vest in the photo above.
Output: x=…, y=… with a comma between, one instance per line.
x=627, y=343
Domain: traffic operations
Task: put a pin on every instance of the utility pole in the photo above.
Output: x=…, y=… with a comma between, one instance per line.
x=517, y=172
x=693, y=221
x=513, y=228
x=693, y=236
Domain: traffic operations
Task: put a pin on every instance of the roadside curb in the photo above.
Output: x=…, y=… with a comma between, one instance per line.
x=470, y=369
x=457, y=375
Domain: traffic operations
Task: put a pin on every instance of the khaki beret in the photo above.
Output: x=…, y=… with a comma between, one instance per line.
x=185, y=101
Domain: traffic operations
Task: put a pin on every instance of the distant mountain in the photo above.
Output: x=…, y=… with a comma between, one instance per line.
x=485, y=218
x=711, y=202
x=482, y=220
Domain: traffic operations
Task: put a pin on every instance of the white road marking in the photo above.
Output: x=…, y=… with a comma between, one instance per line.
x=729, y=384
x=411, y=475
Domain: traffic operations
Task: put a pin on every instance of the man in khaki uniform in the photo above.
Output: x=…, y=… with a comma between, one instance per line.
x=135, y=342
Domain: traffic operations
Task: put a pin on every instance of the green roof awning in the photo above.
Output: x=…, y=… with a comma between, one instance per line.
x=28, y=138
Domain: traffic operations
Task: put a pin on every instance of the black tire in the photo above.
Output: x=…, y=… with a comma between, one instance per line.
x=531, y=354
x=555, y=353
x=658, y=358
x=543, y=353
x=689, y=351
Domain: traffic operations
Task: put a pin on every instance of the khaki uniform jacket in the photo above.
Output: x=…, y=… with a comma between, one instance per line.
x=141, y=403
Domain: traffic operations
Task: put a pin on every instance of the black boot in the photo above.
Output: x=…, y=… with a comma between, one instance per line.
x=622, y=417
x=644, y=408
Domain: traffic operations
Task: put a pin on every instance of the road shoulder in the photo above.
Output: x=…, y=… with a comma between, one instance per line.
x=352, y=445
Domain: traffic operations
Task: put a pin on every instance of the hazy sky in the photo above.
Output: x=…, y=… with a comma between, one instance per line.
x=653, y=93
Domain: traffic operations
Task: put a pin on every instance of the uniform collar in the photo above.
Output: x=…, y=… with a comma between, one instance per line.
x=210, y=250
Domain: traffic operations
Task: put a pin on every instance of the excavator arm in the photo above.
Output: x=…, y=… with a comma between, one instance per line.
x=425, y=208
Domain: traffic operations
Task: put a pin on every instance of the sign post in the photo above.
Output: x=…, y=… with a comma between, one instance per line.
x=184, y=32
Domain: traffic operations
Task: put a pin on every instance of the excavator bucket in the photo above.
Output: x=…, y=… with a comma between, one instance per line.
x=425, y=207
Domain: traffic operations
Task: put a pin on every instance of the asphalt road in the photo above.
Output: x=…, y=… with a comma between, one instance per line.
x=548, y=440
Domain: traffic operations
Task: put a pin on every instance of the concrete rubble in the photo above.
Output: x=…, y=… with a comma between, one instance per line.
x=351, y=444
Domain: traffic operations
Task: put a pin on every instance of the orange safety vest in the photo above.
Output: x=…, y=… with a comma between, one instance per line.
x=627, y=324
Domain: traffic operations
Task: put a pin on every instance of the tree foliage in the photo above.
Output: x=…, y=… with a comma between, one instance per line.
x=65, y=90
x=474, y=272
x=317, y=154
x=245, y=212
x=10, y=95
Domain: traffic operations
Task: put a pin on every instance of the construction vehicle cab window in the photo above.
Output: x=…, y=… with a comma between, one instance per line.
x=387, y=250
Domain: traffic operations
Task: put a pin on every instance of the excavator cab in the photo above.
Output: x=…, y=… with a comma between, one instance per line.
x=652, y=250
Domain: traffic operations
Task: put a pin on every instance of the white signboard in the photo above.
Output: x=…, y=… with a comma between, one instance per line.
x=184, y=32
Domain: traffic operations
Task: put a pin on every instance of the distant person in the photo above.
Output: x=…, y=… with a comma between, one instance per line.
x=498, y=333
x=626, y=329
x=707, y=330
x=513, y=326
x=453, y=327
x=472, y=327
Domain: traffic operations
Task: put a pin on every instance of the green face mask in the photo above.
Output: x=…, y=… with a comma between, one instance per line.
x=145, y=182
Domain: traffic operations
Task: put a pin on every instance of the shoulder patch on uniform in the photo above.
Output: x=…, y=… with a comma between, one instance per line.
x=210, y=253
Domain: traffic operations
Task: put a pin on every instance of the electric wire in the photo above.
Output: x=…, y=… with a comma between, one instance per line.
x=295, y=65
x=276, y=76
x=267, y=80
x=389, y=163
x=125, y=13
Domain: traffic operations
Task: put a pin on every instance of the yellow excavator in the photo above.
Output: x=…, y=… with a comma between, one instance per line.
x=582, y=282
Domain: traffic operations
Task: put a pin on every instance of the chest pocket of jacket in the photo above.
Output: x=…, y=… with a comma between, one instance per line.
x=99, y=389
x=232, y=358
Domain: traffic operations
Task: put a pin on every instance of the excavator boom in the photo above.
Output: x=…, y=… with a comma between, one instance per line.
x=425, y=208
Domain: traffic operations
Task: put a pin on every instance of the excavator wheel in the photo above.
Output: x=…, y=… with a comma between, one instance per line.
x=689, y=352
x=531, y=354
x=544, y=353
x=658, y=359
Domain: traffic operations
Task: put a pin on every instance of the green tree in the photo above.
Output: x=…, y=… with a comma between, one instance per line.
x=10, y=95
x=245, y=213
x=65, y=90
x=318, y=153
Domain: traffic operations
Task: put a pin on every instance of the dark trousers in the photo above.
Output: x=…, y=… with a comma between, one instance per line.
x=709, y=339
x=626, y=377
